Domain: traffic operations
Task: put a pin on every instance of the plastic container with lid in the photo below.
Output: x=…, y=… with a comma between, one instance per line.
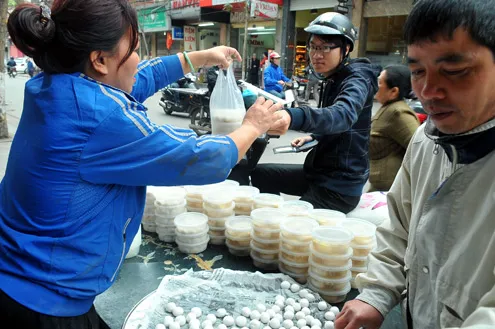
x=301, y=278
x=263, y=263
x=218, y=199
x=218, y=223
x=363, y=231
x=245, y=194
x=217, y=240
x=170, y=211
x=296, y=208
x=169, y=196
x=166, y=237
x=356, y=270
x=327, y=217
x=264, y=254
x=330, y=260
x=330, y=272
x=194, y=192
x=332, y=297
x=194, y=203
x=229, y=183
x=193, y=248
x=301, y=258
x=198, y=210
x=291, y=267
x=237, y=250
x=265, y=244
x=239, y=227
x=191, y=222
x=266, y=234
x=219, y=212
x=267, y=218
x=298, y=229
x=237, y=243
x=191, y=238
x=243, y=208
x=359, y=261
x=164, y=221
x=150, y=219
x=217, y=231
x=332, y=240
x=165, y=228
x=267, y=200
x=149, y=227
x=361, y=250
x=294, y=246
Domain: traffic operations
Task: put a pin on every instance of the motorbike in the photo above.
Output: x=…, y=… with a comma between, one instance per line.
x=177, y=96
x=417, y=107
x=12, y=71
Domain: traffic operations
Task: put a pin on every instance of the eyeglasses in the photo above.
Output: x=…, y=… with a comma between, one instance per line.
x=325, y=49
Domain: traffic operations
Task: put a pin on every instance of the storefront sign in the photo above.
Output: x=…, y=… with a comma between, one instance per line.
x=256, y=42
x=263, y=9
x=240, y=17
x=185, y=9
x=154, y=20
x=177, y=33
x=189, y=38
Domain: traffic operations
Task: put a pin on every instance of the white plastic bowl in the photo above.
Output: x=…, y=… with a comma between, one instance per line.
x=327, y=217
x=191, y=222
x=196, y=248
x=296, y=208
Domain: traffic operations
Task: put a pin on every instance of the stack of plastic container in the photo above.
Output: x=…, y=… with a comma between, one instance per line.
x=267, y=200
x=296, y=208
x=148, y=221
x=327, y=217
x=244, y=199
x=363, y=243
x=194, y=198
x=191, y=229
x=265, y=243
x=238, y=235
x=295, y=240
x=218, y=205
x=170, y=202
x=330, y=262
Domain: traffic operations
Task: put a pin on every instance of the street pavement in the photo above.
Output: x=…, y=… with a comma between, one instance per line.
x=15, y=98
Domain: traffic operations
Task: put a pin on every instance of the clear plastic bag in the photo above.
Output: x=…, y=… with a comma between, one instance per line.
x=226, y=104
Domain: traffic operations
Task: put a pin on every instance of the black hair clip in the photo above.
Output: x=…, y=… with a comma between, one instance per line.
x=45, y=14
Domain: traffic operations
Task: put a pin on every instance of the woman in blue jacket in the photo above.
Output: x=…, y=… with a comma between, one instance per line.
x=274, y=77
x=74, y=189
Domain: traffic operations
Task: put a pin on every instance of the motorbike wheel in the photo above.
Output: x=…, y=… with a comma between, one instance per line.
x=197, y=122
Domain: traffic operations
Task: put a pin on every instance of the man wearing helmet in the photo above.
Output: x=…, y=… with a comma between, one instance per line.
x=274, y=78
x=335, y=171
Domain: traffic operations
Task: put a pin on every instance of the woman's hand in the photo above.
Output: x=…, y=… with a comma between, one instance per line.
x=221, y=56
x=262, y=115
x=300, y=141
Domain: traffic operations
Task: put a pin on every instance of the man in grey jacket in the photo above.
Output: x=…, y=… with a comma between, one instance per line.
x=436, y=255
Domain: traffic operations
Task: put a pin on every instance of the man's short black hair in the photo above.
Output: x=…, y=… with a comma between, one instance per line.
x=430, y=19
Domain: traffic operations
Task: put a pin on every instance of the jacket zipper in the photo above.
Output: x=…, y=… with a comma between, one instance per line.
x=123, y=250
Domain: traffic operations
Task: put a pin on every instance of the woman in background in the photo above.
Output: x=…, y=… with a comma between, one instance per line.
x=392, y=126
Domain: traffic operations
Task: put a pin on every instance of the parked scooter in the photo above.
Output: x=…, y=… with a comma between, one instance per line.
x=176, y=97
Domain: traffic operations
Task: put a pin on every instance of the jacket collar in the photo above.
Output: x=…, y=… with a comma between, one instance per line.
x=464, y=148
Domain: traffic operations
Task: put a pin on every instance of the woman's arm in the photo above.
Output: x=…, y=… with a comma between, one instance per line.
x=159, y=72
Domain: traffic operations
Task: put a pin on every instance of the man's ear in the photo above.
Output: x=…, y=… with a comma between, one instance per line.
x=98, y=62
x=347, y=50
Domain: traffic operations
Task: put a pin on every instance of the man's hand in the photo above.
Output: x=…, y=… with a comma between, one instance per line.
x=281, y=126
x=357, y=314
x=300, y=141
x=280, y=82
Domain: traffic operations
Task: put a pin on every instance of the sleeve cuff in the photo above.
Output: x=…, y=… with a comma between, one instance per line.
x=234, y=152
x=297, y=118
x=379, y=298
